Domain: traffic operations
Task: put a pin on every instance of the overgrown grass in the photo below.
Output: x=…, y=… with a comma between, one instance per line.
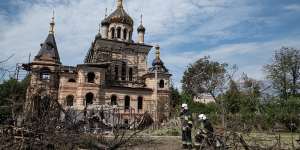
x=174, y=131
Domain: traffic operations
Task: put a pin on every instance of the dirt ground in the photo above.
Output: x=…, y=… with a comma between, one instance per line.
x=174, y=142
x=160, y=143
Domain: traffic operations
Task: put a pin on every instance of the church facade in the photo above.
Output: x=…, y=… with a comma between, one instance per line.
x=115, y=72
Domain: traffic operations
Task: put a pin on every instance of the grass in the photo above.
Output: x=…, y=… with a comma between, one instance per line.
x=286, y=140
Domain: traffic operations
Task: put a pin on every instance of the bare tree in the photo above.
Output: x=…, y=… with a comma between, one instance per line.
x=45, y=128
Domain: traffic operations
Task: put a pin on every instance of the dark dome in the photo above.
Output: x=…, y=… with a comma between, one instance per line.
x=158, y=65
x=98, y=36
x=158, y=62
x=141, y=28
x=104, y=22
x=119, y=16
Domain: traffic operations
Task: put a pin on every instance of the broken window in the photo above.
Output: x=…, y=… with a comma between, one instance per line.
x=126, y=122
x=116, y=72
x=70, y=100
x=72, y=80
x=112, y=33
x=45, y=74
x=123, y=71
x=119, y=32
x=91, y=77
x=89, y=98
x=161, y=84
x=113, y=100
x=140, y=103
x=127, y=103
x=125, y=34
x=130, y=74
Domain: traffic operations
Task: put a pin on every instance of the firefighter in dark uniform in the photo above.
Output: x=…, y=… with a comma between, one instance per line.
x=205, y=132
x=186, y=126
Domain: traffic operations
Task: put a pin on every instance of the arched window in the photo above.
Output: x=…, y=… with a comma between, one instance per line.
x=70, y=100
x=72, y=80
x=161, y=84
x=112, y=33
x=119, y=32
x=130, y=74
x=123, y=71
x=91, y=77
x=45, y=74
x=116, y=72
x=113, y=100
x=125, y=34
x=130, y=34
x=89, y=97
x=127, y=103
x=140, y=103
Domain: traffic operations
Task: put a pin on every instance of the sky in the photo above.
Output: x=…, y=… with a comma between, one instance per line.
x=241, y=32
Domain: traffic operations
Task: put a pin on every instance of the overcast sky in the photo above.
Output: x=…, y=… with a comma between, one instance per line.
x=241, y=32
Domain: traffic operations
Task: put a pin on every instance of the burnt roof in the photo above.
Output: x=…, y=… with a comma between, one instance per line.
x=48, y=51
x=119, y=16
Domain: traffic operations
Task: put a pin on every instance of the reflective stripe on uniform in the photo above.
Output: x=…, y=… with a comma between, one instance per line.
x=197, y=144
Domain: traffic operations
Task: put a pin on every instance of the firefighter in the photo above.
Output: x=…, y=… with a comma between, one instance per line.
x=205, y=132
x=186, y=126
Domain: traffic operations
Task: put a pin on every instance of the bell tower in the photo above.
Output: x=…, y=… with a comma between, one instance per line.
x=44, y=69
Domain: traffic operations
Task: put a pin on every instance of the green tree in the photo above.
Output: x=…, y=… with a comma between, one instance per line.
x=284, y=72
x=232, y=98
x=12, y=97
x=287, y=114
x=205, y=76
x=175, y=97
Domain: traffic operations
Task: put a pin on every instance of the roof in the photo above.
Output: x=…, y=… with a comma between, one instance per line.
x=48, y=51
x=118, y=16
x=69, y=68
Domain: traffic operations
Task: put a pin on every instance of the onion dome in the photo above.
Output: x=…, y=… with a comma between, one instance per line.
x=98, y=36
x=119, y=15
x=105, y=22
x=141, y=28
x=157, y=63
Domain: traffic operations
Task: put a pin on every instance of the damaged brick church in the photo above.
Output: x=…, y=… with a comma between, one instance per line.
x=115, y=72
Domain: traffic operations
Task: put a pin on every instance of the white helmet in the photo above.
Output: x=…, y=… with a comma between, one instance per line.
x=202, y=117
x=185, y=106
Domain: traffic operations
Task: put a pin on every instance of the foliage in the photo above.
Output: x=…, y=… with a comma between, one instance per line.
x=232, y=98
x=175, y=97
x=12, y=95
x=204, y=76
x=240, y=103
x=285, y=113
x=284, y=72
